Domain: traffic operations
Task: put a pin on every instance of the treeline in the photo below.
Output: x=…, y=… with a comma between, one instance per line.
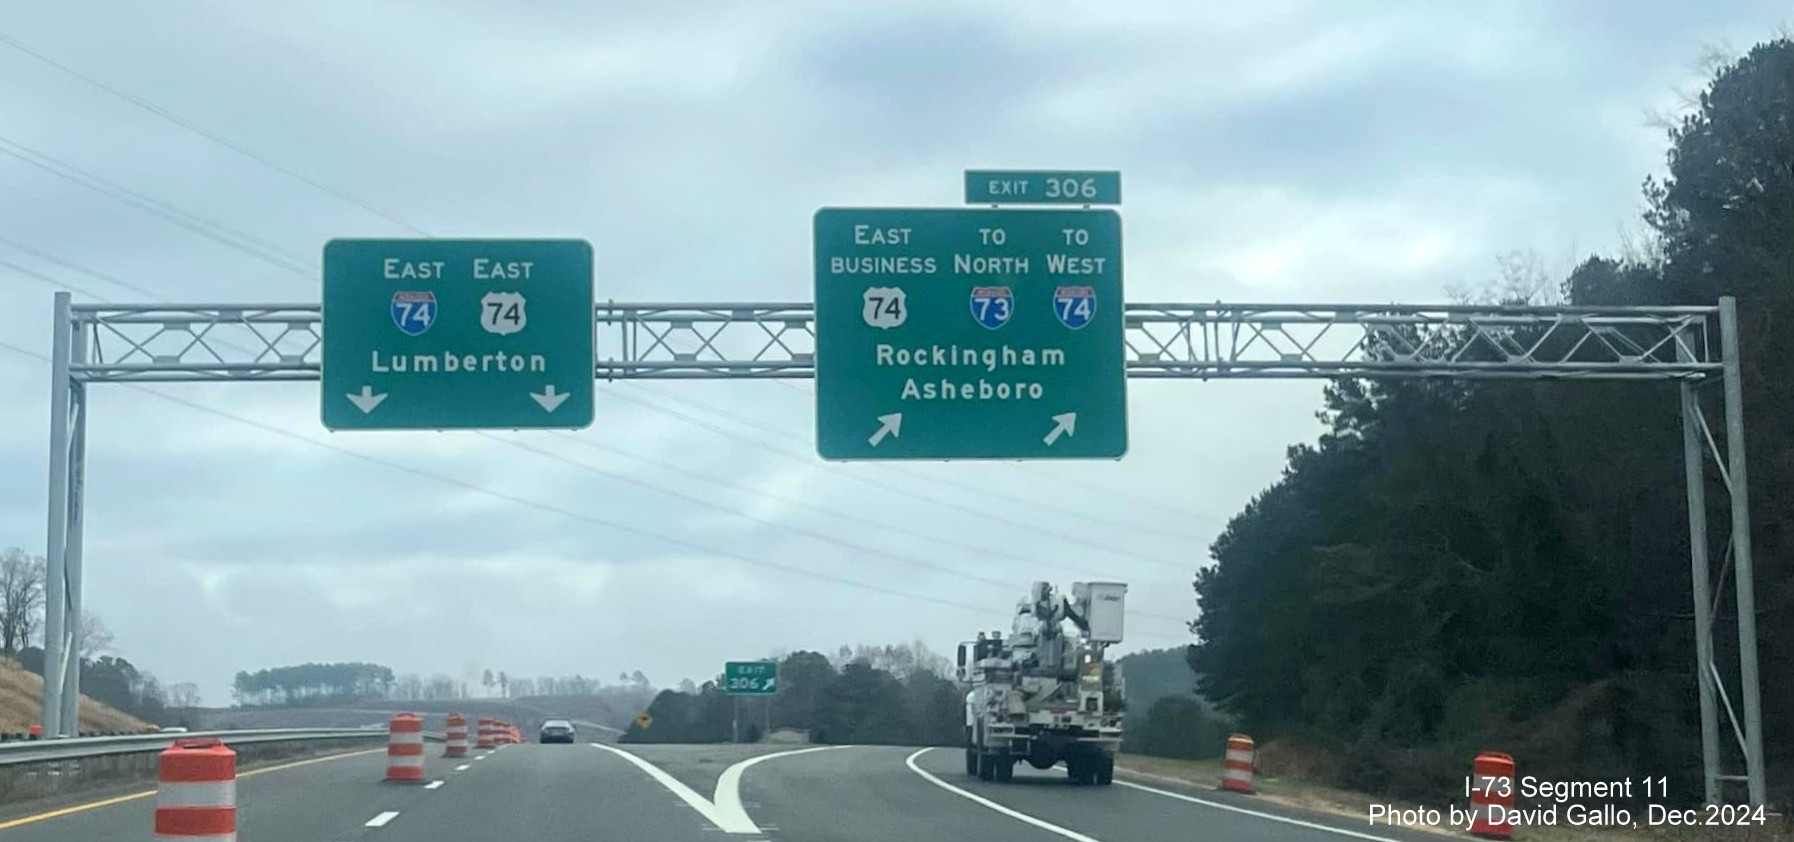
x=312, y=683
x=513, y=687
x=886, y=695
x=315, y=684
x=119, y=684
x=1165, y=717
x=1457, y=566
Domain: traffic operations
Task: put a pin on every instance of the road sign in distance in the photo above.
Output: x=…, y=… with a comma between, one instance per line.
x=964, y=333
x=457, y=334
x=750, y=678
x=643, y=720
x=1049, y=187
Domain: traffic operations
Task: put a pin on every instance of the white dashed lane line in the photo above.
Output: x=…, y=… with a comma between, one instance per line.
x=463, y=767
x=382, y=819
x=433, y=785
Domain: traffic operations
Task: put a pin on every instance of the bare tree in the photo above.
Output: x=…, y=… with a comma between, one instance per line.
x=21, y=598
x=183, y=695
x=93, y=638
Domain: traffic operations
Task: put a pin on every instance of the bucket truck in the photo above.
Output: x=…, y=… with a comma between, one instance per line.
x=1042, y=697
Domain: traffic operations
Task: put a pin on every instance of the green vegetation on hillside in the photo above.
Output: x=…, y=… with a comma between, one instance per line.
x=1165, y=716
x=894, y=695
x=1457, y=566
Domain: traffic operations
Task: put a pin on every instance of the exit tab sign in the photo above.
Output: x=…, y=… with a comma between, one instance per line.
x=1043, y=187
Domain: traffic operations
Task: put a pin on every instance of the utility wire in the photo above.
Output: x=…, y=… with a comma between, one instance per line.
x=535, y=504
x=1107, y=490
x=547, y=507
x=833, y=512
x=50, y=258
x=279, y=256
x=197, y=224
x=955, y=572
x=1033, y=527
x=195, y=128
x=286, y=259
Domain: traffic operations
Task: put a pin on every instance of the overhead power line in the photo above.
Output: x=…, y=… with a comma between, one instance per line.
x=553, y=509
x=48, y=279
x=50, y=258
x=197, y=129
x=536, y=504
x=948, y=570
x=843, y=514
x=276, y=255
x=1107, y=490
x=214, y=231
x=1034, y=527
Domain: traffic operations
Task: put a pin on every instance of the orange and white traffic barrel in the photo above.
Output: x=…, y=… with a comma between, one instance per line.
x=1236, y=768
x=405, y=749
x=1492, y=795
x=485, y=733
x=456, y=736
x=196, y=792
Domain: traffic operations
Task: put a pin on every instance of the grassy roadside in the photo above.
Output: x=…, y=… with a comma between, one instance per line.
x=1355, y=806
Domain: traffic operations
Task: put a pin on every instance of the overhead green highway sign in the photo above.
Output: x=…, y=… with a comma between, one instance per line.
x=751, y=678
x=963, y=333
x=1048, y=187
x=457, y=334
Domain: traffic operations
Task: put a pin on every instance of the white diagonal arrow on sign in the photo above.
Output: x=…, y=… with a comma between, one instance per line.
x=367, y=400
x=1063, y=424
x=548, y=398
x=888, y=425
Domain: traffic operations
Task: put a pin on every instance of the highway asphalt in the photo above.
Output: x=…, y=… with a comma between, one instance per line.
x=585, y=791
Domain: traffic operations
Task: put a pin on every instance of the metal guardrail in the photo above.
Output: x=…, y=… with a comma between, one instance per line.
x=77, y=748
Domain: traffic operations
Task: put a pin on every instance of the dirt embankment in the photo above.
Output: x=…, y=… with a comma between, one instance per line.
x=22, y=700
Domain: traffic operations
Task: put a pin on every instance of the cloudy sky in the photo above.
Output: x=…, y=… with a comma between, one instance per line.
x=1278, y=151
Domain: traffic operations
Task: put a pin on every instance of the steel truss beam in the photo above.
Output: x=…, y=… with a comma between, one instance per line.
x=668, y=341
x=188, y=342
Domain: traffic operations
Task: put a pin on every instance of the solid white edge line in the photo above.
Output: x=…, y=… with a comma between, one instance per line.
x=1273, y=817
x=433, y=785
x=382, y=819
x=728, y=788
x=690, y=797
x=978, y=799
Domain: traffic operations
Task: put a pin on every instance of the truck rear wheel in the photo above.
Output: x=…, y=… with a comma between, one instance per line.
x=971, y=760
x=1005, y=770
x=1077, y=768
x=1105, y=771
x=987, y=767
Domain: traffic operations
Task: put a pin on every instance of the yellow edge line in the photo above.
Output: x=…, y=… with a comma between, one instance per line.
x=95, y=805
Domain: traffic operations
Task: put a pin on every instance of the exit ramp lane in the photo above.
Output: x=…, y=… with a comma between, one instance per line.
x=546, y=793
x=1129, y=812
